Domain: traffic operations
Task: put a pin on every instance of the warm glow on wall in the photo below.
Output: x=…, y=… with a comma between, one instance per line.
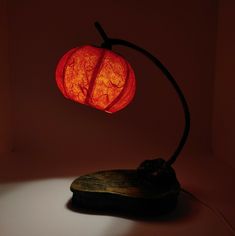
x=96, y=77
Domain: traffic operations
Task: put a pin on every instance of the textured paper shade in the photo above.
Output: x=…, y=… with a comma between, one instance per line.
x=96, y=77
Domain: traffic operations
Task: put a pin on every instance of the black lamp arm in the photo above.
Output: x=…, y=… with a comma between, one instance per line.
x=109, y=42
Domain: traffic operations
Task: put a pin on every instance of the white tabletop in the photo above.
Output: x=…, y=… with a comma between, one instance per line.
x=39, y=208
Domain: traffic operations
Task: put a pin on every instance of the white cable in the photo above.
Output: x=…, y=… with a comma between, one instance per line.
x=216, y=211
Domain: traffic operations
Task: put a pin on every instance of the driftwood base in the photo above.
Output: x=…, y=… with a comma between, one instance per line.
x=126, y=191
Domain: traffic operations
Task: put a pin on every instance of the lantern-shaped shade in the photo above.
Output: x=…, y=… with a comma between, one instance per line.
x=96, y=77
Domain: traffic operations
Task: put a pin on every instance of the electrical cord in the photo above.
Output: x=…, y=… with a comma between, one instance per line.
x=216, y=211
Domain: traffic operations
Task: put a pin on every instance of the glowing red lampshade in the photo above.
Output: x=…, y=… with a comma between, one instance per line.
x=96, y=77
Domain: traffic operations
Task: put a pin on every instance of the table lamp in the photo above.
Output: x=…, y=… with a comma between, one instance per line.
x=102, y=79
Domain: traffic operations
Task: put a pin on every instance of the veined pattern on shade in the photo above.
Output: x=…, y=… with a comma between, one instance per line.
x=96, y=77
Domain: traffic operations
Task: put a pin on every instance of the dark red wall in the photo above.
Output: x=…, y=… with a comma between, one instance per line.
x=224, y=96
x=180, y=33
x=5, y=94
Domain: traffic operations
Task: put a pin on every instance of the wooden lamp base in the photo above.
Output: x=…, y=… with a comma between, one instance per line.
x=151, y=189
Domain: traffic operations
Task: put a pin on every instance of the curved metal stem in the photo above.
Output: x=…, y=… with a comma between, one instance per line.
x=108, y=42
